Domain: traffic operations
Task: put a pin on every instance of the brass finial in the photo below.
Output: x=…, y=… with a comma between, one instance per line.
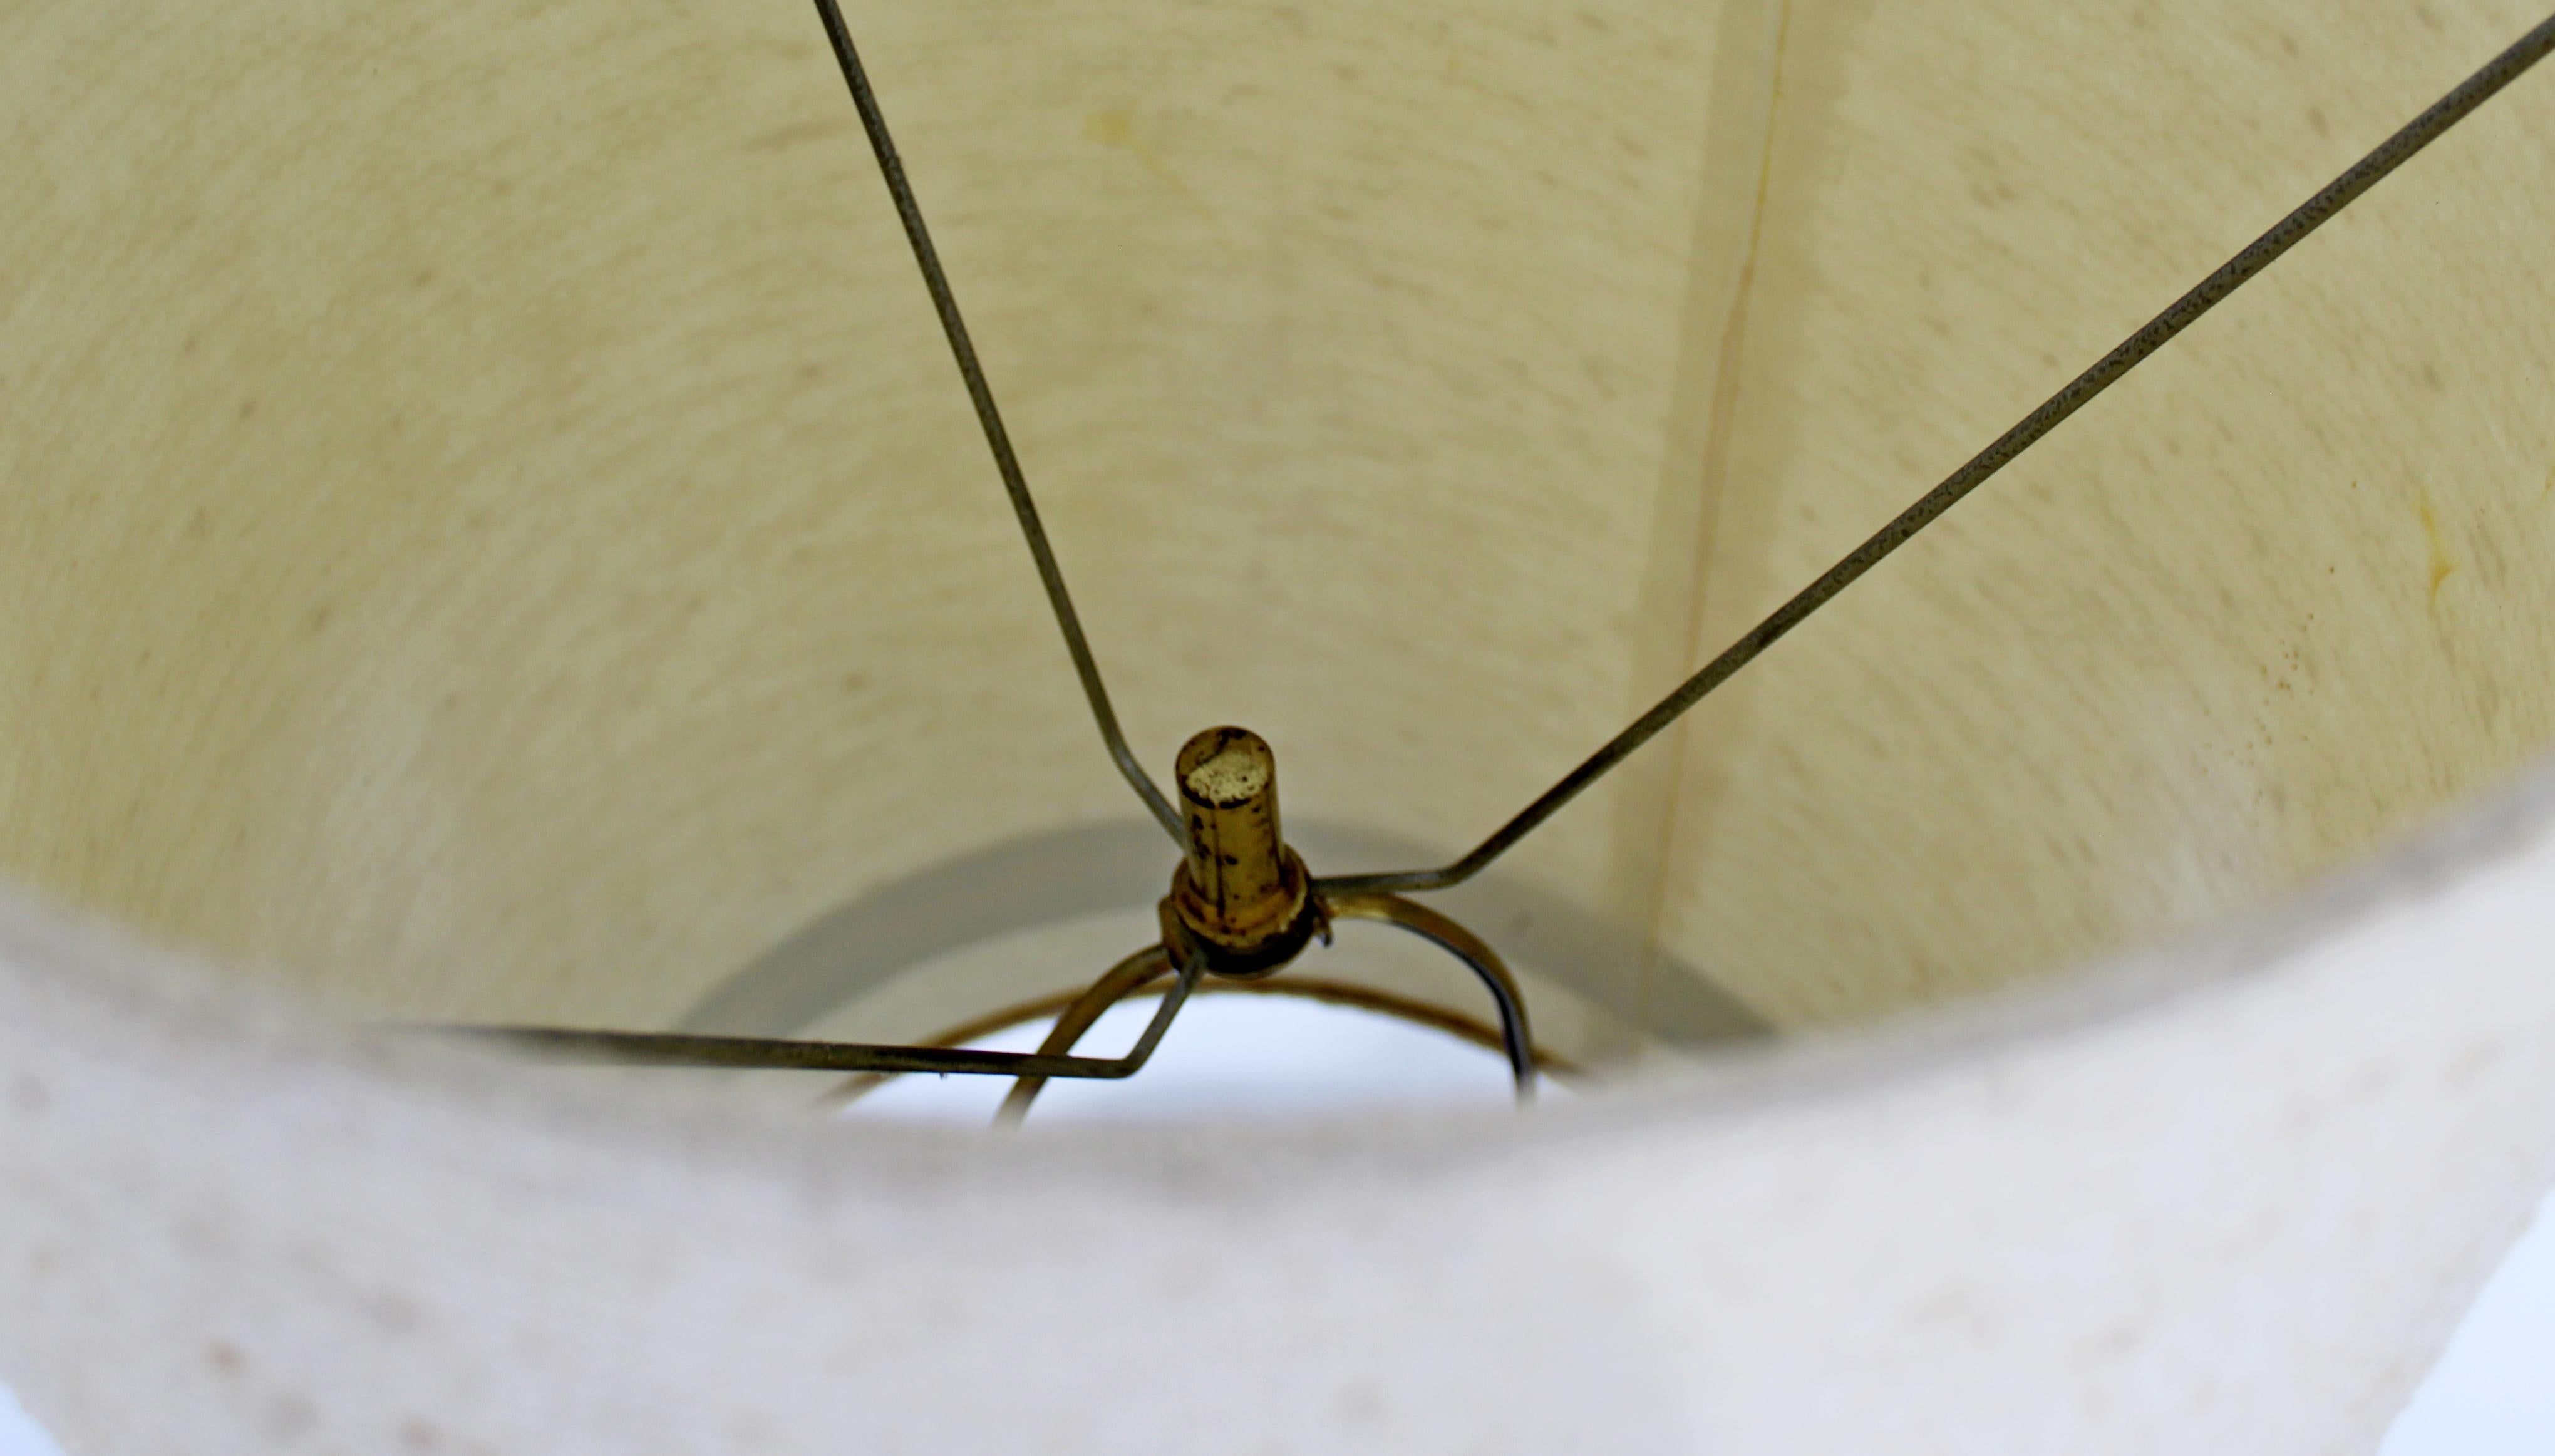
x=1239, y=890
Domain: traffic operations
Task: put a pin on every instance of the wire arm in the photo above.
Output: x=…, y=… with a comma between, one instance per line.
x=1318, y=990
x=2285, y=234
x=760, y=1054
x=1132, y=975
x=1114, y=985
x=1515, y=1038
x=997, y=439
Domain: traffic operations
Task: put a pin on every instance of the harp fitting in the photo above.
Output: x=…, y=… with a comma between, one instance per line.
x=1239, y=896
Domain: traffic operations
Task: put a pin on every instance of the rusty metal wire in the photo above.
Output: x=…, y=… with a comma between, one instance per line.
x=1514, y=1036
x=1127, y=978
x=1322, y=990
x=997, y=439
x=1121, y=981
x=2257, y=255
x=1371, y=895
x=767, y=1053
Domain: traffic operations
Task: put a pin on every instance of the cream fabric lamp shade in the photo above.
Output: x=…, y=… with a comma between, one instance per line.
x=492, y=534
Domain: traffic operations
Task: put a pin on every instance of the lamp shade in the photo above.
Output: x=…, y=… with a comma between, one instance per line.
x=493, y=535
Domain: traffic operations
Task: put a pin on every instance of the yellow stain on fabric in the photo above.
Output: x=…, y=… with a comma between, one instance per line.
x=2442, y=563
x=1116, y=127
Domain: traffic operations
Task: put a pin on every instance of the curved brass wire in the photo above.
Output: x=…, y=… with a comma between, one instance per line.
x=1464, y=945
x=1323, y=990
x=1329, y=992
x=1127, y=978
x=1114, y=985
